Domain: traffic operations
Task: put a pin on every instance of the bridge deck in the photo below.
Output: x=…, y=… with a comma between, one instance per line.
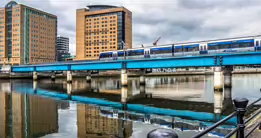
x=249, y=58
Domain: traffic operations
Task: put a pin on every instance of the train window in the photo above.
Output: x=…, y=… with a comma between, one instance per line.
x=136, y=52
x=120, y=53
x=105, y=55
x=178, y=49
x=257, y=43
x=235, y=45
x=224, y=46
x=191, y=49
x=161, y=50
x=249, y=44
x=213, y=47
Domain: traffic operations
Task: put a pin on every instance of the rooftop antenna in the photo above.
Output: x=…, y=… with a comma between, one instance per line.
x=142, y=45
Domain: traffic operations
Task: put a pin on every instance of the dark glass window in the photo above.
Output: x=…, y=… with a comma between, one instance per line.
x=136, y=52
x=106, y=55
x=161, y=50
x=178, y=49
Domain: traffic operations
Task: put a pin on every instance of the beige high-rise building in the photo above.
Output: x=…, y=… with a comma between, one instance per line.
x=27, y=35
x=102, y=28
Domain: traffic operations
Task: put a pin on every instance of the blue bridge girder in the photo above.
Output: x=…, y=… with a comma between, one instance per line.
x=228, y=59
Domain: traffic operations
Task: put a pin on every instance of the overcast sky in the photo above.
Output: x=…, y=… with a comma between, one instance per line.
x=173, y=20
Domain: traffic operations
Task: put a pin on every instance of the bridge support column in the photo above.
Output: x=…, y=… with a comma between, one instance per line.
x=35, y=86
x=69, y=76
x=88, y=78
x=142, y=77
x=124, y=94
x=227, y=99
x=227, y=71
x=53, y=77
x=35, y=76
x=218, y=90
x=142, y=89
x=218, y=102
x=218, y=79
x=142, y=80
x=69, y=88
x=124, y=77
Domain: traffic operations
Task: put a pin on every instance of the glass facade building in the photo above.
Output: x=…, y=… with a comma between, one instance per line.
x=62, y=48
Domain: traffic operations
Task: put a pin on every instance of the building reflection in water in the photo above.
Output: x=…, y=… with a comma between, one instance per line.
x=23, y=115
x=91, y=124
x=4, y=99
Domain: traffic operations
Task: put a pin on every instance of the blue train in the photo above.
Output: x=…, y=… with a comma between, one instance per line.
x=230, y=45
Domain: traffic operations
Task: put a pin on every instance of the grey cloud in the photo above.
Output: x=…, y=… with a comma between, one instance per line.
x=173, y=20
x=210, y=4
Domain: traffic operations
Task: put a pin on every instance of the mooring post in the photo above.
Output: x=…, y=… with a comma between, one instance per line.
x=240, y=104
x=162, y=133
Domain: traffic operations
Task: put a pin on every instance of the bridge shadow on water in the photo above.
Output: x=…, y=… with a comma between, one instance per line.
x=106, y=98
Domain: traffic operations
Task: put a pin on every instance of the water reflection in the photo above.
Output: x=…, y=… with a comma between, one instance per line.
x=24, y=116
x=163, y=101
x=91, y=124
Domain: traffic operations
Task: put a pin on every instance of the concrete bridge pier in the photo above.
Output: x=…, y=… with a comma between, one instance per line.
x=227, y=98
x=53, y=77
x=69, y=88
x=69, y=76
x=218, y=79
x=88, y=86
x=218, y=90
x=124, y=94
x=142, y=77
x=218, y=102
x=124, y=77
x=142, y=80
x=222, y=88
x=227, y=71
x=142, y=89
x=35, y=77
x=34, y=86
x=88, y=77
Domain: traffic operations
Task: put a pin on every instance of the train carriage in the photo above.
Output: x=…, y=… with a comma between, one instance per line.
x=231, y=45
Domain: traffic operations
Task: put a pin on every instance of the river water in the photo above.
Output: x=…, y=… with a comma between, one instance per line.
x=104, y=109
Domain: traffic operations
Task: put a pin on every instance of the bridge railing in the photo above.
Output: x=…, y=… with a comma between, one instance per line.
x=240, y=110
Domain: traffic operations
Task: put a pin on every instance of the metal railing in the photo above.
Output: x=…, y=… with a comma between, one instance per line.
x=240, y=107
